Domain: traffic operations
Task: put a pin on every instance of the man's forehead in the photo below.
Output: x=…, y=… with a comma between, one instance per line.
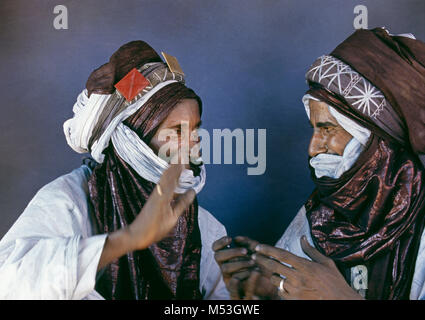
x=318, y=105
x=319, y=112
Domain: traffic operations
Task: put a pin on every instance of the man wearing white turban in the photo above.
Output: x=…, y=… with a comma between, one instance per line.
x=127, y=225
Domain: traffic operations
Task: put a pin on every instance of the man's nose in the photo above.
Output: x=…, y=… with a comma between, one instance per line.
x=317, y=145
x=194, y=138
x=192, y=144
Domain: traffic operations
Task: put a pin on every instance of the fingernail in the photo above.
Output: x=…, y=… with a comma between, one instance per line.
x=244, y=251
x=258, y=247
x=304, y=238
x=254, y=256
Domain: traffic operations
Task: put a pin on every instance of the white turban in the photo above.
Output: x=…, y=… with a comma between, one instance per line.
x=133, y=150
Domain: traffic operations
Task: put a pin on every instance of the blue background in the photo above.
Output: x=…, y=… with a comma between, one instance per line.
x=245, y=58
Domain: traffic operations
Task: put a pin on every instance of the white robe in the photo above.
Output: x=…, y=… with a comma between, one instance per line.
x=51, y=253
x=299, y=226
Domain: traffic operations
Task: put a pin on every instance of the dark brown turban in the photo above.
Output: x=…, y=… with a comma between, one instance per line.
x=168, y=269
x=395, y=65
x=373, y=215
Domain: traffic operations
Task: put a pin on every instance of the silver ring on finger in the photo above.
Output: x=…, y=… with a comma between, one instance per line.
x=281, y=287
x=281, y=283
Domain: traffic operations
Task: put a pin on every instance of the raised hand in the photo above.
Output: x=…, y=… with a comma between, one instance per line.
x=156, y=219
x=160, y=213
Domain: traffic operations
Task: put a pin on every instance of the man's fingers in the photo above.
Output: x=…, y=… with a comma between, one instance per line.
x=183, y=201
x=234, y=287
x=224, y=255
x=272, y=265
x=232, y=267
x=241, y=275
x=221, y=243
x=312, y=252
x=169, y=180
x=251, y=285
x=246, y=242
x=281, y=255
x=262, y=286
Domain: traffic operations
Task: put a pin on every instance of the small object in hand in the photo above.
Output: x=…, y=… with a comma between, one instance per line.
x=234, y=244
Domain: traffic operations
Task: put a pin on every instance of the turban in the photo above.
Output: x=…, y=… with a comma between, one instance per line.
x=381, y=79
x=373, y=214
x=116, y=129
x=100, y=111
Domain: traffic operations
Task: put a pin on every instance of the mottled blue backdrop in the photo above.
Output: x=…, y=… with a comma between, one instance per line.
x=245, y=58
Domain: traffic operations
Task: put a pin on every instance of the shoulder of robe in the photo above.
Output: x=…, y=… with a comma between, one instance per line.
x=71, y=188
x=60, y=208
x=297, y=227
x=290, y=240
x=210, y=227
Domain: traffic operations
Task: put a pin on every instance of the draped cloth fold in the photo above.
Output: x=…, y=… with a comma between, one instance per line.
x=374, y=213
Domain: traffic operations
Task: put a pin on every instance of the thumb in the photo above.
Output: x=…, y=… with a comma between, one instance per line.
x=312, y=252
x=183, y=201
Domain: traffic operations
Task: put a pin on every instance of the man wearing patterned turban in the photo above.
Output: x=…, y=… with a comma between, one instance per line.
x=126, y=224
x=361, y=232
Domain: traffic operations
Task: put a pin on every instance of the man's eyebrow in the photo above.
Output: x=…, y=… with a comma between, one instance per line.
x=325, y=124
x=177, y=125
